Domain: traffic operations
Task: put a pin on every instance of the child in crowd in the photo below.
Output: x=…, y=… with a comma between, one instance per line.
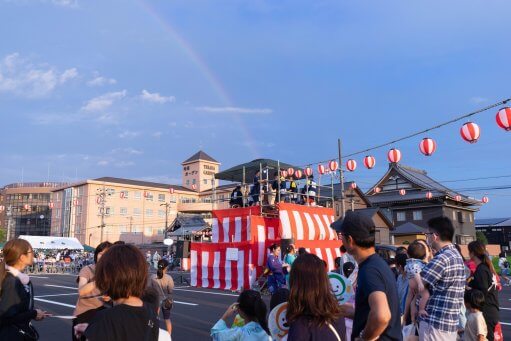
x=417, y=291
x=348, y=269
x=475, y=329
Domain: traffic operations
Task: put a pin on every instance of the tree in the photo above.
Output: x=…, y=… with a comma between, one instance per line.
x=481, y=237
x=3, y=235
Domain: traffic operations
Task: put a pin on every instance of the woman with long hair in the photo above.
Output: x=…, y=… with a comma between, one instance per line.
x=17, y=294
x=164, y=285
x=485, y=280
x=252, y=309
x=276, y=278
x=313, y=313
x=89, y=297
x=121, y=274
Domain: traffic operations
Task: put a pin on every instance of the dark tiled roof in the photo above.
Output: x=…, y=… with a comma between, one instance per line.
x=185, y=224
x=410, y=195
x=200, y=155
x=141, y=183
x=490, y=221
x=372, y=211
x=408, y=228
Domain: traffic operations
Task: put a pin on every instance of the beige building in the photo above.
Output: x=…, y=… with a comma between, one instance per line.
x=131, y=210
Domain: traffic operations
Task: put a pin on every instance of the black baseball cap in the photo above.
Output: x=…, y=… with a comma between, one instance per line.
x=355, y=224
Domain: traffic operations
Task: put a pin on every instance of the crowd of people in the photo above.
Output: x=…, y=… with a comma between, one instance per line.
x=432, y=293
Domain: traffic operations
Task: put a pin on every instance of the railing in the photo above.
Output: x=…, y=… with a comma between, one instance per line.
x=36, y=184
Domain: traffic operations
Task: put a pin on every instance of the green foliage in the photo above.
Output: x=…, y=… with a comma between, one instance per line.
x=481, y=237
x=3, y=235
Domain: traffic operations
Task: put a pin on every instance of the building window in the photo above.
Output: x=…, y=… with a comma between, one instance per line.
x=193, y=181
x=137, y=211
x=161, y=197
x=161, y=213
x=205, y=181
x=77, y=229
x=148, y=231
x=149, y=212
x=123, y=211
x=187, y=182
x=136, y=229
x=417, y=215
x=78, y=210
x=109, y=211
x=160, y=231
x=453, y=215
x=124, y=194
x=57, y=213
x=123, y=229
x=138, y=196
x=79, y=191
x=401, y=216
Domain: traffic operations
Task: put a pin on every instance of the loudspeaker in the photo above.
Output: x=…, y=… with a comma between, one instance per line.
x=183, y=249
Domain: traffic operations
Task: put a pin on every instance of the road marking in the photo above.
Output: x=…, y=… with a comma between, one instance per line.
x=53, y=302
x=60, y=286
x=38, y=277
x=505, y=323
x=504, y=308
x=185, y=303
x=207, y=292
x=75, y=293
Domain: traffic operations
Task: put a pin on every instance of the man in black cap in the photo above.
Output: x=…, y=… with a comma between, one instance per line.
x=376, y=315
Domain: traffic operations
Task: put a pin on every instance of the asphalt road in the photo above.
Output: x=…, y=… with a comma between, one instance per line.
x=195, y=310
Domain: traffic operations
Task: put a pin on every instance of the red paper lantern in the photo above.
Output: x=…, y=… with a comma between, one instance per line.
x=429, y=195
x=2, y=208
x=504, y=118
x=369, y=162
x=402, y=191
x=51, y=205
x=122, y=194
x=283, y=173
x=171, y=190
x=290, y=171
x=308, y=171
x=298, y=174
x=26, y=207
x=353, y=185
x=394, y=155
x=377, y=190
x=321, y=169
x=427, y=146
x=194, y=186
x=333, y=165
x=485, y=200
x=75, y=202
x=351, y=165
x=470, y=132
x=457, y=197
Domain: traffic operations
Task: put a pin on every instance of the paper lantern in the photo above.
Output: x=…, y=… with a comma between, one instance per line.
x=51, y=205
x=283, y=173
x=321, y=169
x=122, y=194
x=98, y=200
x=194, y=186
x=429, y=195
x=457, y=197
x=427, y=146
x=307, y=171
x=377, y=190
x=26, y=207
x=353, y=185
x=504, y=118
x=470, y=132
x=351, y=165
x=333, y=165
x=298, y=174
x=402, y=191
x=394, y=155
x=369, y=162
x=171, y=190
x=290, y=171
x=485, y=199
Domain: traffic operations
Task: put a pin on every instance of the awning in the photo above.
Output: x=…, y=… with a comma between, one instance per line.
x=53, y=243
x=235, y=173
x=187, y=230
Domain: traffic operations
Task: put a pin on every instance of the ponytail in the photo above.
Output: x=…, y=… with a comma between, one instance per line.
x=162, y=265
x=479, y=250
x=486, y=259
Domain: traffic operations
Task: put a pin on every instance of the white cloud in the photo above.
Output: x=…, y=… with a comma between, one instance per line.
x=234, y=110
x=478, y=100
x=103, y=163
x=99, y=80
x=104, y=101
x=156, y=97
x=65, y=3
x=21, y=77
x=122, y=164
x=157, y=134
x=68, y=75
x=128, y=134
x=129, y=150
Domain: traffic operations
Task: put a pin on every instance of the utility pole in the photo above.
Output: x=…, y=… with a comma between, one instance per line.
x=9, y=221
x=339, y=145
x=102, y=193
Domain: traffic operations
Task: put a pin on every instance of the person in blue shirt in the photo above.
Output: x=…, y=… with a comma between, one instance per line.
x=276, y=279
x=289, y=259
x=251, y=307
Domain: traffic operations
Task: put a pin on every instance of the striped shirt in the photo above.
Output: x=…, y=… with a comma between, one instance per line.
x=445, y=275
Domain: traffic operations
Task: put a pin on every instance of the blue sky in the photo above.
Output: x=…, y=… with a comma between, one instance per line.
x=132, y=88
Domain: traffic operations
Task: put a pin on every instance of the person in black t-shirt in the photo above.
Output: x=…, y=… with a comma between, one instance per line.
x=121, y=273
x=376, y=315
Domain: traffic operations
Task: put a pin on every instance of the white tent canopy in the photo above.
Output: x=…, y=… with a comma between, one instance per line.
x=54, y=243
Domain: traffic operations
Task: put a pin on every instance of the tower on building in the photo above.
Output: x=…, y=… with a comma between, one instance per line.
x=199, y=171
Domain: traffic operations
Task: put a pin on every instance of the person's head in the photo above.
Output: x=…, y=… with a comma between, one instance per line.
x=276, y=175
x=337, y=262
x=401, y=261
x=17, y=253
x=119, y=242
x=151, y=297
x=290, y=249
x=474, y=299
x=440, y=232
x=251, y=307
x=162, y=267
x=401, y=249
x=100, y=250
x=348, y=268
x=417, y=250
x=257, y=173
x=301, y=251
x=310, y=292
x=357, y=231
x=238, y=188
x=275, y=249
x=429, y=252
x=502, y=255
x=280, y=296
x=477, y=252
x=121, y=272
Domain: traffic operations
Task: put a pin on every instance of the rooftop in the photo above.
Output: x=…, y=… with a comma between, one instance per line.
x=200, y=155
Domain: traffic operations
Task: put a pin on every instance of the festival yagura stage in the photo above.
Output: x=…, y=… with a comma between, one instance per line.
x=241, y=237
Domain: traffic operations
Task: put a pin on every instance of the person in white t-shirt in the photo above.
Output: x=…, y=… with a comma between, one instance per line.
x=504, y=269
